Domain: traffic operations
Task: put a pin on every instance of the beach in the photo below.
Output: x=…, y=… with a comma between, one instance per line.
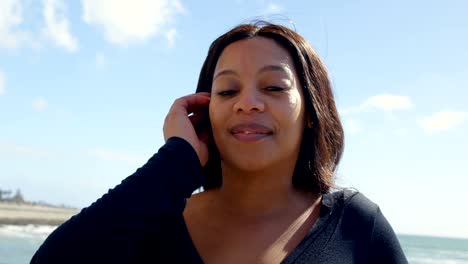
x=33, y=214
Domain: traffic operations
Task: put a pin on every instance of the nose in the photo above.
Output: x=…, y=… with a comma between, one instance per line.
x=249, y=100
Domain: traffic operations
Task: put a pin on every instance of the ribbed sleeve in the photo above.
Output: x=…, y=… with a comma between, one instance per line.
x=111, y=229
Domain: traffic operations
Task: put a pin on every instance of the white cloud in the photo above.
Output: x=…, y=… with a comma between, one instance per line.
x=114, y=156
x=126, y=21
x=10, y=19
x=170, y=37
x=57, y=26
x=388, y=102
x=443, y=121
x=384, y=102
x=39, y=104
x=273, y=8
x=353, y=126
x=15, y=14
x=2, y=83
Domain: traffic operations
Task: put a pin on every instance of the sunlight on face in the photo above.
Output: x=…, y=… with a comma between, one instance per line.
x=257, y=106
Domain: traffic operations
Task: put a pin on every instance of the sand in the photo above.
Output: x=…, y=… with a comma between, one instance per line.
x=26, y=214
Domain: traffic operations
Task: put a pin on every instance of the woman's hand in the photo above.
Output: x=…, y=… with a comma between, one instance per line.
x=178, y=123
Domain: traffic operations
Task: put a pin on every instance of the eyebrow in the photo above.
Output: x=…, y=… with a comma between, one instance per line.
x=263, y=69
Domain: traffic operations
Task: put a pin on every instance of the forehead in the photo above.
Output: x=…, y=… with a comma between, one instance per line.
x=254, y=52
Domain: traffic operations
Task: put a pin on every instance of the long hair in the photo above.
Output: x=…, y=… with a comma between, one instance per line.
x=323, y=138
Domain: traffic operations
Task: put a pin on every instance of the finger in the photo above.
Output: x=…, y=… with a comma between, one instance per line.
x=191, y=103
x=204, y=94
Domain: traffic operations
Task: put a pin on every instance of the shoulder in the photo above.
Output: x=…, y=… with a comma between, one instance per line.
x=359, y=205
x=361, y=221
x=351, y=202
x=356, y=212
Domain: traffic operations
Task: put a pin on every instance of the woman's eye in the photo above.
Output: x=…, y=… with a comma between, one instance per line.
x=274, y=88
x=227, y=92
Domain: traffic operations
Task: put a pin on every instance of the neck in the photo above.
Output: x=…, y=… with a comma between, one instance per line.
x=261, y=194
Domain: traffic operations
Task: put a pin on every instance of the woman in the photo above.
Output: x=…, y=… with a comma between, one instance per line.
x=263, y=136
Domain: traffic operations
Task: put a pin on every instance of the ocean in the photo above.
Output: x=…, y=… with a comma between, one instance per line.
x=436, y=250
x=18, y=244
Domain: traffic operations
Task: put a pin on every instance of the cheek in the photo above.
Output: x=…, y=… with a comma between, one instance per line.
x=296, y=108
x=211, y=114
x=296, y=121
x=216, y=116
x=217, y=120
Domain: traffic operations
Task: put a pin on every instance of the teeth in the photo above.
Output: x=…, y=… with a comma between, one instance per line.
x=248, y=132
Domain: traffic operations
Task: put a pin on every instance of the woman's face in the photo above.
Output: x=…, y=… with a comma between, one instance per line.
x=257, y=106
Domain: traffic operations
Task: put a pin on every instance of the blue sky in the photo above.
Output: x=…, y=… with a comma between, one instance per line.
x=85, y=86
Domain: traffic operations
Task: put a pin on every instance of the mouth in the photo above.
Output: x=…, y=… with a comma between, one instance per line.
x=250, y=132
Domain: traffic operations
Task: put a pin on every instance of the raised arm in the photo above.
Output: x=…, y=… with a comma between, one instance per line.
x=116, y=227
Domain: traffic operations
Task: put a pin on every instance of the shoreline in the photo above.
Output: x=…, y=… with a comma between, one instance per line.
x=33, y=214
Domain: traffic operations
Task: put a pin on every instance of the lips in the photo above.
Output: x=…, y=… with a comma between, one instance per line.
x=250, y=131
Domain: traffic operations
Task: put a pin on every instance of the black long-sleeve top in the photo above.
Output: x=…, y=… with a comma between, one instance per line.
x=140, y=221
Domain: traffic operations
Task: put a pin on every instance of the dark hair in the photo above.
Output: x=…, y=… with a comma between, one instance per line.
x=322, y=143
